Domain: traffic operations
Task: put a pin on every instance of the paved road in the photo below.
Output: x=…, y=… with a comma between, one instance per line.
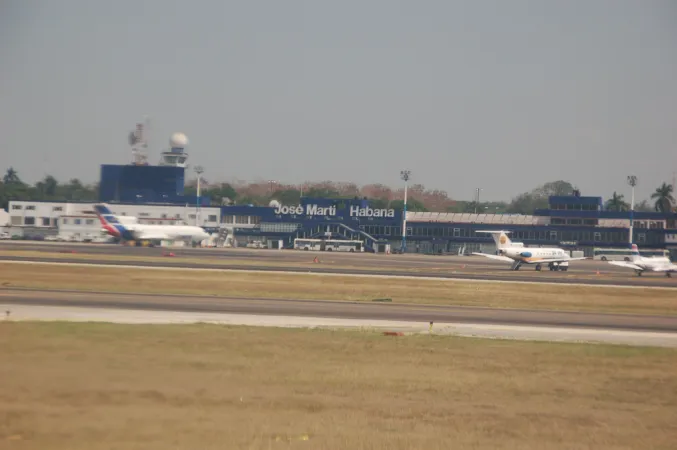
x=338, y=309
x=452, y=267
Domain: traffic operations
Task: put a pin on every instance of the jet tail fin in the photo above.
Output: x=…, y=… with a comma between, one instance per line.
x=104, y=214
x=500, y=237
x=634, y=252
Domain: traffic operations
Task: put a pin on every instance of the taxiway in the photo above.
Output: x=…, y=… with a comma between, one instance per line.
x=430, y=266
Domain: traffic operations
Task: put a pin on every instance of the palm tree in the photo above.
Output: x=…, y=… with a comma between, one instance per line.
x=616, y=203
x=11, y=177
x=664, y=198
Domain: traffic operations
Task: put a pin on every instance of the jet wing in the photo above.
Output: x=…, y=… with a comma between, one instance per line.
x=554, y=260
x=496, y=257
x=625, y=264
x=665, y=268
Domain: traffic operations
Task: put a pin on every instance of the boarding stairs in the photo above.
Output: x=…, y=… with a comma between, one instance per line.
x=337, y=230
x=223, y=238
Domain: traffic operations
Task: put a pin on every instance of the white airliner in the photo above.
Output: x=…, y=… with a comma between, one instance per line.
x=641, y=264
x=517, y=254
x=128, y=229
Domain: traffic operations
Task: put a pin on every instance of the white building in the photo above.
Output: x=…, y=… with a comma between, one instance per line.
x=77, y=221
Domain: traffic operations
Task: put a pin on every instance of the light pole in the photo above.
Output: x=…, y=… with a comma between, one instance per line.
x=404, y=174
x=198, y=171
x=477, y=198
x=632, y=181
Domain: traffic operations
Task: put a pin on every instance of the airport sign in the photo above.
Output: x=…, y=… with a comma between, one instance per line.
x=316, y=210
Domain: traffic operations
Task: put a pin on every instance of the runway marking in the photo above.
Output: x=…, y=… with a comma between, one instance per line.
x=330, y=274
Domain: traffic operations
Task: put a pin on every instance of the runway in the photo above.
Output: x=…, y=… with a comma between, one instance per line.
x=340, y=310
x=477, y=268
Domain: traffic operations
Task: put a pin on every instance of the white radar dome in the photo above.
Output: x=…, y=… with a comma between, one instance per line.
x=178, y=140
x=274, y=204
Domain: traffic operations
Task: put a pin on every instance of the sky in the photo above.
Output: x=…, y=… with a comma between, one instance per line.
x=491, y=94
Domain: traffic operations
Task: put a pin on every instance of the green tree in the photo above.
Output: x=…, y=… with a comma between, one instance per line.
x=47, y=187
x=321, y=192
x=616, y=203
x=663, y=198
x=537, y=198
x=11, y=178
x=381, y=203
x=288, y=196
x=412, y=205
x=644, y=206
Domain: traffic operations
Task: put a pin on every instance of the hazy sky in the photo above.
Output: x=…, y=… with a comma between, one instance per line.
x=502, y=95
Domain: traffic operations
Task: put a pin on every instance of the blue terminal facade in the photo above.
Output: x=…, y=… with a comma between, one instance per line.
x=144, y=184
x=571, y=222
x=318, y=218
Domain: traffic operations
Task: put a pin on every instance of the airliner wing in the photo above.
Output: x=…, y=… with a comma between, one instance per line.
x=496, y=257
x=625, y=264
x=153, y=235
x=554, y=260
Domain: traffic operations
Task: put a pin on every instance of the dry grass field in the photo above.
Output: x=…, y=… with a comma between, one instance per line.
x=104, y=386
x=301, y=286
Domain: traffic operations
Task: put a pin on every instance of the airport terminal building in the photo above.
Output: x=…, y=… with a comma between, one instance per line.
x=574, y=223
x=155, y=195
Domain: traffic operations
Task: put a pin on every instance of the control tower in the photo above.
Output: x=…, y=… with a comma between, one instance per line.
x=176, y=155
x=140, y=182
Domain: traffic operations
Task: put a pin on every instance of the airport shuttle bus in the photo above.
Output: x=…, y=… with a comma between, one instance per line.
x=329, y=245
x=625, y=254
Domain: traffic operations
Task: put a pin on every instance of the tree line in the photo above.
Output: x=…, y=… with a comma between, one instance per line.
x=419, y=198
x=663, y=201
x=47, y=189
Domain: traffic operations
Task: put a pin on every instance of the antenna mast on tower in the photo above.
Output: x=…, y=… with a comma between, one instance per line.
x=138, y=140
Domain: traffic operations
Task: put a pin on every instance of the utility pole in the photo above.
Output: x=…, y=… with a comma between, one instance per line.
x=198, y=170
x=404, y=174
x=632, y=181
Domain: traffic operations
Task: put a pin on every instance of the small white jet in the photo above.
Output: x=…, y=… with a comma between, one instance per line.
x=128, y=229
x=517, y=254
x=640, y=263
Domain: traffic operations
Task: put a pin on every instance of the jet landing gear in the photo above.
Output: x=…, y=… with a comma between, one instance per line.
x=556, y=266
x=137, y=243
x=516, y=265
